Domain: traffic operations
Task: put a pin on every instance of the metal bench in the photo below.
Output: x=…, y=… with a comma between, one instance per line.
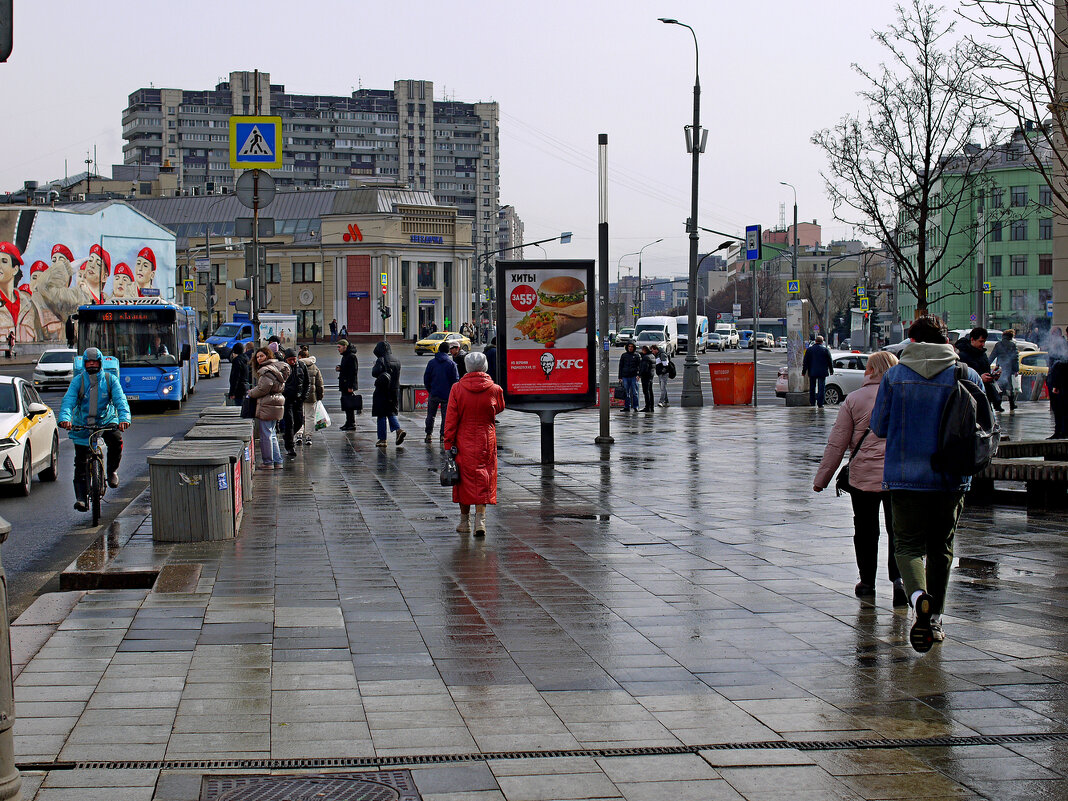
x=1033, y=463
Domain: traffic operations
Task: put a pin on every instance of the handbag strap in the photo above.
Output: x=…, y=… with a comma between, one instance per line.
x=856, y=450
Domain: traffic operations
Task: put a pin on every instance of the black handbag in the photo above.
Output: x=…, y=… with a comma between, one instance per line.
x=248, y=408
x=841, y=481
x=618, y=392
x=351, y=402
x=450, y=473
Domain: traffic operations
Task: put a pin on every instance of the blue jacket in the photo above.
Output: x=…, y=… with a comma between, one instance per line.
x=908, y=413
x=111, y=403
x=440, y=375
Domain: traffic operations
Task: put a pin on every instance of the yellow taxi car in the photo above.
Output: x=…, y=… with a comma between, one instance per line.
x=29, y=439
x=207, y=360
x=1033, y=371
x=431, y=343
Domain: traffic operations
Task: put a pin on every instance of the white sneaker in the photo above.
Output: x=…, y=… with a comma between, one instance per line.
x=464, y=526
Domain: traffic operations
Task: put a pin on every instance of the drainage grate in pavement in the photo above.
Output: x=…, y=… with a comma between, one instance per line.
x=320, y=763
x=383, y=785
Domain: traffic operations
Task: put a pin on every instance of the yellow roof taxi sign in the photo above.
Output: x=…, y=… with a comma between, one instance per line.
x=256, y=143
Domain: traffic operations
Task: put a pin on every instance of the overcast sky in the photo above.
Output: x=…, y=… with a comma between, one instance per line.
x=772, y=72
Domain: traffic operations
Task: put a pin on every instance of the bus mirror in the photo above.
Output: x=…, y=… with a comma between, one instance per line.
x=185, y=353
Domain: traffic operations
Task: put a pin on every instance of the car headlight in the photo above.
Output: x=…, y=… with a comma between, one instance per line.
x=8, y=442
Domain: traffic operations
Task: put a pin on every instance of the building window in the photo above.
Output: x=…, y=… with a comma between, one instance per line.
x=1045, y=264
x=307, y=272
x=1018, y=196
x=446, y=280
x=995, y=266
x=1044, y=297
x=995, y=300
x=218, y=273
x=1019, y=230
x=273, y=273
x=1019, y=265
x=995, y=231
x=427, y=275
x=1045, y=228
x=996, y=196
x=980, y=200
x=1045, y=196
x=306, y=318
x=1018, y=299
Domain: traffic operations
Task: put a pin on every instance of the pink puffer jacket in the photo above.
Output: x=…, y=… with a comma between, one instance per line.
x=866, y=468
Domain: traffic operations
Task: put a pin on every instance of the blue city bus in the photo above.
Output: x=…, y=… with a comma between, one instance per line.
x=154, y=341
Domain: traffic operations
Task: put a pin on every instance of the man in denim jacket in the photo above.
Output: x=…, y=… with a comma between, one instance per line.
x=926, y=504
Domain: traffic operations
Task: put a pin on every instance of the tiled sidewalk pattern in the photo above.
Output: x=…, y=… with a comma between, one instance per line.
x=684, y=587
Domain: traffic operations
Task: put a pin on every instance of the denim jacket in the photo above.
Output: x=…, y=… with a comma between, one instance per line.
x=908, y=412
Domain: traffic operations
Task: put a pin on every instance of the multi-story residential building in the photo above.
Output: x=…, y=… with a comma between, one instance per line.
x=509, y=232
x=1004, y=238
x=445, y=147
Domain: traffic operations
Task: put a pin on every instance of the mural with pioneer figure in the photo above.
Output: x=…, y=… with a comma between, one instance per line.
x=77, y=258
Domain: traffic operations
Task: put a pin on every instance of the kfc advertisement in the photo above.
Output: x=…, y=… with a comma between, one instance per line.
x=545, y=332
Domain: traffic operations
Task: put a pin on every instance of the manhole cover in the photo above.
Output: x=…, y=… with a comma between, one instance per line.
x=383, y=785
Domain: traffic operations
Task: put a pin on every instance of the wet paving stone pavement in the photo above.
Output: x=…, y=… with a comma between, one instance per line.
x=670, y=617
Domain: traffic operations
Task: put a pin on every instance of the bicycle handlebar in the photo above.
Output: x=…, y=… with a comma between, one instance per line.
x=108, y=427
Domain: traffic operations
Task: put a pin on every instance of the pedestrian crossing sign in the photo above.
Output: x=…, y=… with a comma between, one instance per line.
x=256, y=143
x=986, y=287
x=793, y=287
x=863, y=304
x=188, y=285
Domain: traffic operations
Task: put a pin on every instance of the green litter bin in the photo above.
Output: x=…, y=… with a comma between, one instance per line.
x=238, y=431
x=196, y=491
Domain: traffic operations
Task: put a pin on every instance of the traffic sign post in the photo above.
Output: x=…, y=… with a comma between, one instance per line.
x=752, y=243
x=863, y=304
x=189, y=285
x=793, y=287
x=256, y=143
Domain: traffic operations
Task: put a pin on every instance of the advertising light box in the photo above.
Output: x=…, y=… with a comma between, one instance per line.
x=546, y=333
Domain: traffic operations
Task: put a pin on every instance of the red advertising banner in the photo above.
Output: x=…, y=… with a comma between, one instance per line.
x=546, y=332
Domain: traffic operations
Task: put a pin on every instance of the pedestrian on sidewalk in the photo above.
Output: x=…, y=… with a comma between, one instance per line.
x=295, y=392
x=239, y=382
x=316, y=390
x=315, y=333
x=1006, y=357
x=1057, y=382
x=663, y=372
x=69, y=330
x=851, y=432
x=925, y=503
x=333, y=331
x=972, y=351
x=474, y=404
x=385, y=401
x=271, y=378
x=630, y=362
x=11, y=344
x=646, y=371
x=491, y=359
x=438, y=378
x=817, y=365
x=458, y=354
x=346, y=382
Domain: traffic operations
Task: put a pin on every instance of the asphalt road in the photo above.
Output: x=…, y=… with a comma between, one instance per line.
x=46, y=532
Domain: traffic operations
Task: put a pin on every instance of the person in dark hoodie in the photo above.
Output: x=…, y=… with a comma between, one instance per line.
x=386, y=398
x=458, y=354
x=295, y=391
x=646, y=371
x=972, y=351
x=438, y=378
x=630, y=362
x=346, y=382
x=239, y=374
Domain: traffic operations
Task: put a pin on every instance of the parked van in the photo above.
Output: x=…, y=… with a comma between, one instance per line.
x=702, y=333
x=729, y=332
x=665, y=328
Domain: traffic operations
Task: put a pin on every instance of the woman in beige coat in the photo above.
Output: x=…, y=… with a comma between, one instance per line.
x=271, y=378
x=865, y=476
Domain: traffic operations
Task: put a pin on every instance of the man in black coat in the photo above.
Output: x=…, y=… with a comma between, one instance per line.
x=385, y=401
x=646, y=371
x=346, y=382
x=972, y=351
x=630, y=362
x=295, y=391
x=458, y=355
x=817, y=365
x=239, y=383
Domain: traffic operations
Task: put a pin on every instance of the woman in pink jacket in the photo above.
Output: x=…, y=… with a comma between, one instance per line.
x=865, y=476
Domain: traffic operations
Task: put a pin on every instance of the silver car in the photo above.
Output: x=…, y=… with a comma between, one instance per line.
x=848, y=375
x=55, y=369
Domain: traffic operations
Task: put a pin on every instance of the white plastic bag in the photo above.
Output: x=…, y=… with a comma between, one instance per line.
x=322, y=419
x=1017, y=383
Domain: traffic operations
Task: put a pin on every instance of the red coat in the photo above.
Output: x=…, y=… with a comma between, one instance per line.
x=473, y=404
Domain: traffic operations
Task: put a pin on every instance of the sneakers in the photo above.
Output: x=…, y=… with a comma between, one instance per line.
x=401, y=434
x=307, y=442
x=113, y=479
x=381, y=443
x=863, y=590
x=464, y=526
x=900, y=598
x=921, y=636
x=81, y=506
x=936, y=628
x=347, y=428
x=480, y=525
x=428, y=438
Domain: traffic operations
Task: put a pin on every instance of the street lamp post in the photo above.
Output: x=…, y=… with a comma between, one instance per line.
x=695, y=140
x=641, y=295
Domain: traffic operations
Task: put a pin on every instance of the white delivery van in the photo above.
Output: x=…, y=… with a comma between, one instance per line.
x=729, y=332
x=682, y=322
x=665, y=329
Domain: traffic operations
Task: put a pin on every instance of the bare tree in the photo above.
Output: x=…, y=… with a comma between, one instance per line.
x=904, y=172
x=1014, y=59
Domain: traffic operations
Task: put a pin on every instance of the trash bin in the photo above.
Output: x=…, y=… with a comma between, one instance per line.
x=221, y=411
x=195, y=488
x=407, y=397
x=732, y=383
x=240, y=432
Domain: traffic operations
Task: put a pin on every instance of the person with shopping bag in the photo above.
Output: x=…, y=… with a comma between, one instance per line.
x=314, y=397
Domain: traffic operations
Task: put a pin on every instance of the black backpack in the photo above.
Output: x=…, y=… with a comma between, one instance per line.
x=671, y=371
x=968, y=434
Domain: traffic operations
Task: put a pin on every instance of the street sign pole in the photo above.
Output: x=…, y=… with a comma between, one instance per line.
x=257, y=300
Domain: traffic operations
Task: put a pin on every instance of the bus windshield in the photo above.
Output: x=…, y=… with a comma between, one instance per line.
x=134, y=343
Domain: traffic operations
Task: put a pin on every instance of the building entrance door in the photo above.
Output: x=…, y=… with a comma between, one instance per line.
x=426, y=315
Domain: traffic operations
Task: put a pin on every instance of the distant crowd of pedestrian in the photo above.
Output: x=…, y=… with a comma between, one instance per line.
x=642, y=367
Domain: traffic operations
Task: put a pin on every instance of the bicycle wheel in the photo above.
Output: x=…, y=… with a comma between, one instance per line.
x=96, y=487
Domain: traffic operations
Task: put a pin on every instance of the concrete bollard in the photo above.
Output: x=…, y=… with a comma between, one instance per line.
x=10, y=780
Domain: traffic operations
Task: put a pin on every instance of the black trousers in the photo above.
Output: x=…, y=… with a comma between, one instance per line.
x=647, y=391
x=292, y=419
x=113, y=443
x=866, y=535
x=1059, y=406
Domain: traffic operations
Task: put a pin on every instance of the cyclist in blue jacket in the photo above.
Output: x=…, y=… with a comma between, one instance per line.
x=94, y=398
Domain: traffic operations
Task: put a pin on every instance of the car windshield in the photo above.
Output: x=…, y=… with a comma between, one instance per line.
x=682, y=327
x=714, y=336
x=649, y=336
x=228, y=330
x=437, y=335
x=202, y=348
x=8, y=403
x=57, y=357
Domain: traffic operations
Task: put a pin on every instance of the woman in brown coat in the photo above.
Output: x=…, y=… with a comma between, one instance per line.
x=474, y=403
x=271, y=378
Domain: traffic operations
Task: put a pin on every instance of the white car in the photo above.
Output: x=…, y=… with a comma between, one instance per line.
x=55, y=369
x=30, y=440
x=848, y=375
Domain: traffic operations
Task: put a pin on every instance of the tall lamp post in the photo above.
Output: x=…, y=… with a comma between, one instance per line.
x=641, y=295
x=695, y=144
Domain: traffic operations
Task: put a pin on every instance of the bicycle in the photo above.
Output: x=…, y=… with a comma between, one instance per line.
x=96, y=485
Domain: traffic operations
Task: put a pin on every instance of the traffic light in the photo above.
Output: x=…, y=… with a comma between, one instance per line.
x=246, y=304
x=385, y=312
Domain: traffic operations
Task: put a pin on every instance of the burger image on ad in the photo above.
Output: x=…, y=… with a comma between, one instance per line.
x=561, y=310
x=562, y=290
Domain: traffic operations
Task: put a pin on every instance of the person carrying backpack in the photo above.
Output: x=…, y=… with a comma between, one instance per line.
x=665, y=370
x=295, y=392
x=925, y=502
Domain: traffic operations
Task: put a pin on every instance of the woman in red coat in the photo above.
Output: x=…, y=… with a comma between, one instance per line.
x=474, y=403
